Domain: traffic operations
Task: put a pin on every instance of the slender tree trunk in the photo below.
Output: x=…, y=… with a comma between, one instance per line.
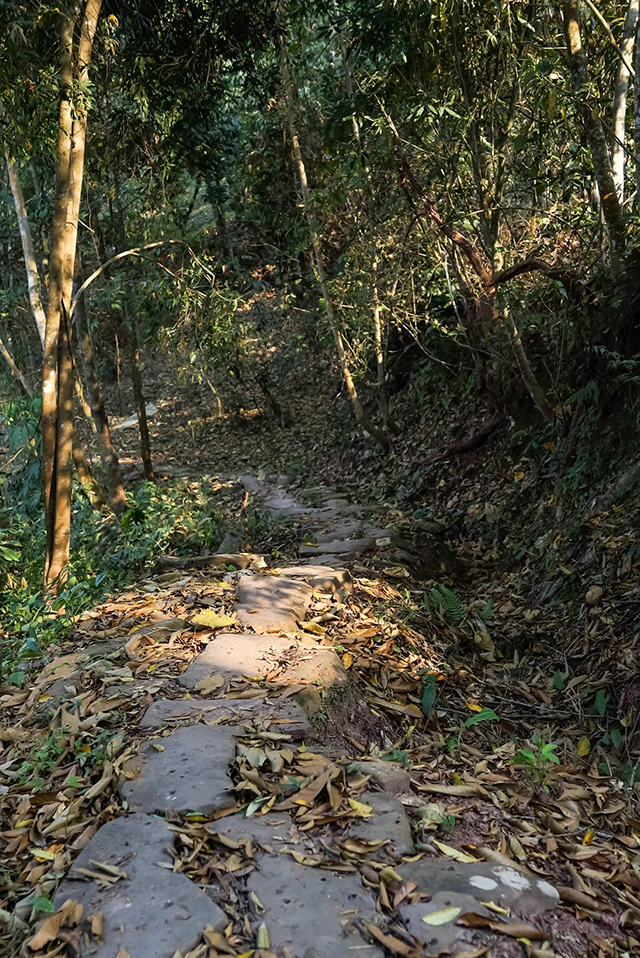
x=594, y=130
x=636, y=112
x=110, y=461
x=89, y=485
x=19, y=375
x=84, y=403
x=529, y=377
x=378, y=324
x=289, y=93
x=138, y=392
x=28, y=250
x=620, y=97
x=57, y=374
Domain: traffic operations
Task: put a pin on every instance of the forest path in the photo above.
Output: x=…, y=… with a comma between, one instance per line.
x=261, y=803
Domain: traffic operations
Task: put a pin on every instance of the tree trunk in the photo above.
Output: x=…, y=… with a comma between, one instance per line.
x=138, y=392
x=529, y=377
x=594, y=130
x=90, y=486
x=378, y=324
x=620, y=97
x=636, y=113
x=110, y=461
x=19, y=375
x=57, y=373
x=28, y=250
x=289, y=94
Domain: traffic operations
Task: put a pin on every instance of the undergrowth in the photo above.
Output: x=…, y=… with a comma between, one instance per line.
x=107, y=552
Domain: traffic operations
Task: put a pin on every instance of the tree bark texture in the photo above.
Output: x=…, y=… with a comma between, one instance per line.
x=28, y=250
x=621, y=95
x=57, y=374
x=594, y=131
x=636, y=112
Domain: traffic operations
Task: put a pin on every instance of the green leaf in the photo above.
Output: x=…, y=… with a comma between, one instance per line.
x=616, y=737
x=429, y=696
x=600, y=704
x=484, y=715
x=558, y=681
x=43, y=904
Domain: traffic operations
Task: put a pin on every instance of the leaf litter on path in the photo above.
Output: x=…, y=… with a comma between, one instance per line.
x=427, y=685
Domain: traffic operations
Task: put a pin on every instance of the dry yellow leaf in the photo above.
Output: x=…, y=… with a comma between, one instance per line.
x=213, y=620
x=442, y=916
x=453, y=852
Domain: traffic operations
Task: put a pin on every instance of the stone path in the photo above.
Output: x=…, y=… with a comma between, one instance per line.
x=305, y=890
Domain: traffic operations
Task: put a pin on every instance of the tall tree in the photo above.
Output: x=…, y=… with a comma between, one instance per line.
x=290, y=97
x=623, y=76
x=594, y=131
x=78, y=26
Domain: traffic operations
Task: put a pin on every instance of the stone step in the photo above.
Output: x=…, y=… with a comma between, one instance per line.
x=267, y=603
x=389, y=820
x=311, y=911
x=337, y=547
x=322, y=578
x=286, y=714
x=284, y=660
x=189, y=774
x=457, y=885
x=153, y=912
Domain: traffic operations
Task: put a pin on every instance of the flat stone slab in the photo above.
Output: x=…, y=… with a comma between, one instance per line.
x=286, y=713
x=484, y=881
x=311, y=911
x=389, y=820
x=288, y=661
x=190, y=774
x=447, y=937
x=153, y=912
x=338, y=547
x=271, y=603
x=322, y=578
x=388, y=775
x=351, y=529
x=271, y=832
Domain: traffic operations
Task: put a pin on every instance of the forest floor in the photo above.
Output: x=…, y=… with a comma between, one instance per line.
x=482, y=718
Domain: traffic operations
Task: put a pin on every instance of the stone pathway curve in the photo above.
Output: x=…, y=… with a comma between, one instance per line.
x=303, y=891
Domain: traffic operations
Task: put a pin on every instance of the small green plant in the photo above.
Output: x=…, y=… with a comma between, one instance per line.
x=484, y=715
x=41, y=761
x=434, y=816
x=447, y=603
x=538, y=762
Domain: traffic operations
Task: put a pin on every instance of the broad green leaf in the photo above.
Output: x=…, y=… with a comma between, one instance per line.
x=484, y=715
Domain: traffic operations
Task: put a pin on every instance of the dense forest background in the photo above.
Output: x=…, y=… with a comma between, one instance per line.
x=389, y=242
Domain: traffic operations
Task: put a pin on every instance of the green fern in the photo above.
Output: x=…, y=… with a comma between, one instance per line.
x=449, y=603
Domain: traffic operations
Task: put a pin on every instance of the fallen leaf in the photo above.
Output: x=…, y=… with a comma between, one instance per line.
x=70, y=914
x=210, y=619
x=389, y=941
x=210, y=683
x=442, y=916
x=453, y=852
